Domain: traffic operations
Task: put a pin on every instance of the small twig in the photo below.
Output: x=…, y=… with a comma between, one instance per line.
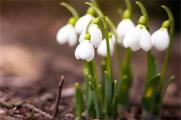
x=60, y=85
x=29, y=106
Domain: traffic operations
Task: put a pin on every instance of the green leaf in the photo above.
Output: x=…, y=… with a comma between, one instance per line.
x=115, y=98
x=78, y=100
x=159, y=96
x=151, y=67
x=150, y=93
x=125, y=78
x=167, y=83
x=108, y=92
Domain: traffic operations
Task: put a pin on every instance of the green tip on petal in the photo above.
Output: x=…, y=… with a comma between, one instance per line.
x=144, y=18
x=91, y=11
x=72, y=21
x=127, y=14
x=166, y=24
x=97, y=20
x=87, y=36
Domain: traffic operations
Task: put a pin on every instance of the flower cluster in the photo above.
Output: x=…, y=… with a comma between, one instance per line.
x=96, y=33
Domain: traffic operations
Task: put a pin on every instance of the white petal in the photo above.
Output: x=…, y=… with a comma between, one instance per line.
x=67, y=34
x=160, y=39
x=76, y=53
x=145, y=40
x=96, y=35
x=82, y=23
x=85, y=51
x=82, y=36
x=102, y=48
x=124, y=27
x=132, y=39
x=62, y=35
x=72, y=36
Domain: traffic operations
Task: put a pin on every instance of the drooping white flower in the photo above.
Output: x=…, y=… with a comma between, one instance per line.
x=95, y=33
x=124, y=27
x=102, y=49
x=67, y=34
x=138, y=38
x=160, y=39
x=82, y=23
x=145, y=40
x=84, y=51
x=132, y=39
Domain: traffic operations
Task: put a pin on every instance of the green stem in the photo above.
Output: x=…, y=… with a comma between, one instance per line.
x=115, y=96
x=88, y=26
x=151, y=67
x=128, y=12
x=106, y=35
x=94, y=2
x=169, y=50
x=128, y=5
x=111, y=25
x=71, y=9
x=79, y=101
x=144, y=19
x=127, y=58
x=125, y=77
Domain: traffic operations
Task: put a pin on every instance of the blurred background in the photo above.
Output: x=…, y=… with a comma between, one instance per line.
x=29, y=52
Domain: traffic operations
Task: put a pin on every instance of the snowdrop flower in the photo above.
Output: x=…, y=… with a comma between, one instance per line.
x=102, y=49
x=160, y=39
x=95, y=33
x=67, y=34
x=82, y=23
x=138, y=38
x=124, y=27
x=84, y=51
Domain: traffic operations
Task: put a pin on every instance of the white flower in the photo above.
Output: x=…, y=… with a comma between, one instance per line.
x=132, y=39
x=95, y=33
x=82, y=23
x=67, y=34
x=138, y=38
x=102, y=49
x=124, y=27
x=160, y=39
x=145, y=40
x=85, y=51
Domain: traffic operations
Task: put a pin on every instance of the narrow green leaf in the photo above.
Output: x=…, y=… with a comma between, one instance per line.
x=151, y=67
x=125, y=78
x=79, y=101
x=159, y=96
x=115, y=98
x=150, y=93
x=108, y=92
x=168, y=82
